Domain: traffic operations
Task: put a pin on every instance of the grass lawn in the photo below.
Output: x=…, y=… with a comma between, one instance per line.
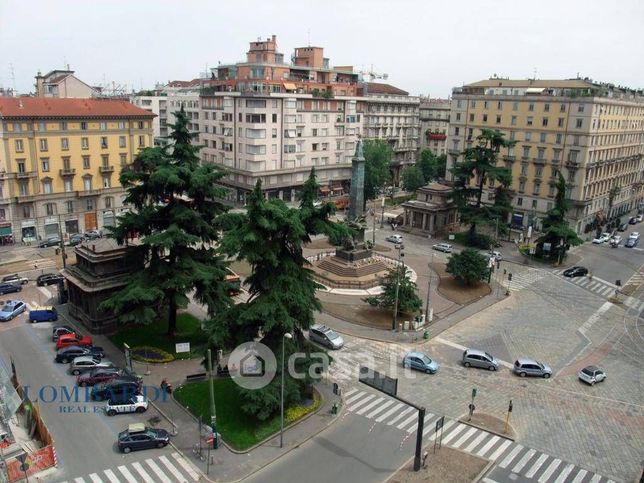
x=236, y=428
x=188, y=330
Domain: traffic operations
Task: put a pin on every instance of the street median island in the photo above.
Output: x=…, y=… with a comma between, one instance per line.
x=456, y=292
x=446, y=465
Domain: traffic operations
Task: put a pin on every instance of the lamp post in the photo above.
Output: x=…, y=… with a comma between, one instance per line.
x=398, y=269
x=374, y=223
x=428, y=317
x=286, y=336
x=382, y=217
x=62, y=242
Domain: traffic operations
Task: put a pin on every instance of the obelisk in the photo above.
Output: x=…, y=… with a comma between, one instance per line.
x=356, y=199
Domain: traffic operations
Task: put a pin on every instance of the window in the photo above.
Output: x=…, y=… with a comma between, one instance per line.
x=107, y=182
x=69, y=206
x=524, y=170
x=473, y=104
x=515, y=106
x=44, y=163
x=538, y=171
x=142, y=141
x=554, y=172
x=519, y=201
x=68, y=185
x=499, y=105
x=458, y=116
x=253, y=149
x=521, y=186
x=104, y=142
x=289, y=148
x=551, y=190
x=103, y=126
x=141, y=125
x=528, y=136
x=47, y=186
x=575, y=140
x=123, y=159
x=471, y=117
x=43, y=145
x=544, y=122
x=526, y=151
x=537, y=188
x=498, y=119
x=256, y=133
x=50, y=209
x=513, y=120
x=534, y=204
x=546, y=107
x=529, y=120
x=19, y=146
x=484, y=117
x=24, y=189
x=562, y=108
x=579, y=123
x=89, y=205
x=531, y=106
x=560, y=122
x=64, y=144
x=572, y=156
x=580, y=108
x=26, y=211
x=105, y=160
x=541, y=152
x=63, y=126
x=558, y=138
x=256, y=118
x=122, y=141
x=457, y=131
x=556, y=156
x=121, y=125
x=109, y=202
x=85, y=162
x=83, y=126
x=42, y=126
x=84, y=143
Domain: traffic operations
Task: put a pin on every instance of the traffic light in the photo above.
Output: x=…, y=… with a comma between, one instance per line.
x=509, y=277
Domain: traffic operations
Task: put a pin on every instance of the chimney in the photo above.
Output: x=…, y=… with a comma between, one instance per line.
x=20, y=104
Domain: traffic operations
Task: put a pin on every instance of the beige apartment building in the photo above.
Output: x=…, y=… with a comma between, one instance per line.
x=592, y=133
x=434, y=124
x=63, y=84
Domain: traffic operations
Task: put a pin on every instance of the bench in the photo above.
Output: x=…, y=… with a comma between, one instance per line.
x=198, y=376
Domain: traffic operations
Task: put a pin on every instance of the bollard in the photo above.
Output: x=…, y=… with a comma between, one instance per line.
x=426, y=335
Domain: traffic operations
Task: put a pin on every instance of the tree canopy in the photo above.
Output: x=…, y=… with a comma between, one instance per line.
x=412, y=178
x=175, y=214
x=468, y=267
x=378, y=156
x=408, y=300
x=431, y=165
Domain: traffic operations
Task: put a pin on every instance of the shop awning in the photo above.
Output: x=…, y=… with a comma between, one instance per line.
x=324, y=189
x=289, y=86
x=5, y=230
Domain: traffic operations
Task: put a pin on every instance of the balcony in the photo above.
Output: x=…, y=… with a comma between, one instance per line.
x=25, y=174
x=572, y=164
x=5, y=201
x=540, y=161
x=68, y=172
x=26, y=198
x=106, y=168
x=509, y=157
x=87, y=193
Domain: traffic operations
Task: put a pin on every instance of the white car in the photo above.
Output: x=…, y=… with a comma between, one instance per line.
x=604, y=237
x=635, y=234
x=136, y=404
x=394, y=238
x=615, y=240
x=494, y=254
x=591, y=375
x=639, y=218
x=443, y=247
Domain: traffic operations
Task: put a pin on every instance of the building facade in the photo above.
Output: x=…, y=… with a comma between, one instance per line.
x=63, y=84
x=434, y=124
x=60, y=161
x=591, y=133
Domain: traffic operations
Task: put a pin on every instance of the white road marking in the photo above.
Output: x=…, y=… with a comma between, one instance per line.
x=157, y=470
x=564, y=474
x=360, y=403
x=535, y=467
x=177, y=474
x=95, y=478
x=146, y=477
x=523, y=461
x=488, y=445
x=355, y=397
x=454, y=433
x=111, y=476
x=370, y=405
x=580, y=476
x=186, y=466
x=380, y=408
x=407, y=421
x=508, y=459
x=384, y=416
x=400, y=415
x=476, y=442
x=499, y=451
x=549, y=471
x=596, y=479
x=349, y=392
x=464, y=437
x=446, y=427
x=128, y=476
x=79, y=480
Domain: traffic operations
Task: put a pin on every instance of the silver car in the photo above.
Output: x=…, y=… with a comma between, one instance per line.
x=84, y=364
x=477, y=358
x=326, y=336
x=591, y=375
x=529, y=367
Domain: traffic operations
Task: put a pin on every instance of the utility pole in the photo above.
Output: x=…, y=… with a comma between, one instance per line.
x=62, y=241
x=382, y=218
x=213, y=414
x=398, y=269
x=374, y=223
x=428, y=317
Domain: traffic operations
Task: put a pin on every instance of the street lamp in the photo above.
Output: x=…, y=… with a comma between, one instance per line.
x=286, y=336
x=400, y=248
x=428, y=316
x=382, y=218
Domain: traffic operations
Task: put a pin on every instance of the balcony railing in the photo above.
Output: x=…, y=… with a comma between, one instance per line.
x=25, y=198
x=84, y=193
x=106, y=168
x=25, y=174
x=68, y=172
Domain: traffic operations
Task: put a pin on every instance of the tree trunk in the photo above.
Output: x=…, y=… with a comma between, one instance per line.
x=172, y=317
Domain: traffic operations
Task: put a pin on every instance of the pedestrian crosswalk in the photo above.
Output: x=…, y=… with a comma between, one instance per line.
x=523, y=279
x=166, y=469
x=373, y=354
x=605, y=289
x=520, y=460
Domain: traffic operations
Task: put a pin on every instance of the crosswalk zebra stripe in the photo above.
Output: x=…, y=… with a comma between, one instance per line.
x=349, y=392
x=592, y=285
x=595, y=479
x=95, y=478
x=513, y=454
x=549, y=471
x=468, y=434
x=186, y=466
x=144, y=474
x=406, y=422
x=361, y=402
x=128, y=476
x=535, y=467
x=380, y=408
x=175, y=472
x=370, y=405
x=400, y=415
x=523, y=461
x=454, y=433
x=499, y=451
x=580, y=476
x=384, y=416
x=564, y=474
x=79, y=480
x=488, y=445
x=446, y=427
x=111, y=476
x=429, y=425
x=476, y=442
x=158, y=471
x=355, y=397
x=606, y=291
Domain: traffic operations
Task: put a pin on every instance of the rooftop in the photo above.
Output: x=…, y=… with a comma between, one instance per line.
x=379, y=88
x=39, y=107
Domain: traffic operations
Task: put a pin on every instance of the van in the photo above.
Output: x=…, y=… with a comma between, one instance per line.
x=325, y=336
x=43, y=314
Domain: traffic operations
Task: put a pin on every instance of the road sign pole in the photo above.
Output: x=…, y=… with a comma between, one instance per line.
x=419, y=439
x=507, y=418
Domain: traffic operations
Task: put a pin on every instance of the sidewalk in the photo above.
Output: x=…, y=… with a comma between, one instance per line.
x=226, y=465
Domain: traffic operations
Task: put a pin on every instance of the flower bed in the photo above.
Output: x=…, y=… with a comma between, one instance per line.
x=152, y=355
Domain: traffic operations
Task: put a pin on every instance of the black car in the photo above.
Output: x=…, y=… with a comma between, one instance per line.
x=52, y=241
x=76, y=240
x=623, y=227
x=119, y=389
x=49, y=279
x=575, y=272
x=9, y=288
x=59, y=330
x=138, y=436
x=632, y=221
x=93, y=234
x=631, y=242
x=68, y=354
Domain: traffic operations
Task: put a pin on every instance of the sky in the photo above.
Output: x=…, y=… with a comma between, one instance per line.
x=426, y=47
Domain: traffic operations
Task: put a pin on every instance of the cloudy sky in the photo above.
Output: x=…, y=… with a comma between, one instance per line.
x=427, y=47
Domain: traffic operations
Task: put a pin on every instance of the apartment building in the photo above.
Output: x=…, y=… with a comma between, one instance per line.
x=393, y=114
x=434, y=124
x=60, y=161
x=590, y=132
x=63, y=84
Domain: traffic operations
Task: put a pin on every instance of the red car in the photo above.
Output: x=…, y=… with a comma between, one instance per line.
x=100, y=375
x=73, y=339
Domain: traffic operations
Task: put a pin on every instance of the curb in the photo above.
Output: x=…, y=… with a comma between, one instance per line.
x=483, y=472
x=497, y=433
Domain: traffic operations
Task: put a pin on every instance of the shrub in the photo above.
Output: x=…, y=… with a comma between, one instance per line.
x=295, y=413
x=152, y=355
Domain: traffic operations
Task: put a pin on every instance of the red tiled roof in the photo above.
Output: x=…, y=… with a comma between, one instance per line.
x=39, y=107
x=180, y=83
x=378, y=88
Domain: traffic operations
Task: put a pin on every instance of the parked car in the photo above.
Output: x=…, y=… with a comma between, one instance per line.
x=639, y=218
x=530, y=367
x=93, y=234
x=15, y=279
x=68, y=354
x=138, y=436
x=420, y=362
x=576, y=272
x=631, y=242
x=325, y=336
x=59, y=330
x=103, y=374
x=443, y=247
x=76, y=239
x=9, y=288
x=634, y=234
x=49, y=279
x=52, y=241
x=632, y=221
x=478, y=358
x=604, y=237
x=43, y=314
x=116, y=389
x=623, y=227
x=615, y=240
x=73, y=339
x=135, y=404
x=591, y=375
x=83, y=364
x=494, y=254
x=394, y=238
x=11, y=309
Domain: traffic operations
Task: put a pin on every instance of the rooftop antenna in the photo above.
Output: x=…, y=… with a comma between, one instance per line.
x=13, y=77
x=308, y=34
x=535, y=73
